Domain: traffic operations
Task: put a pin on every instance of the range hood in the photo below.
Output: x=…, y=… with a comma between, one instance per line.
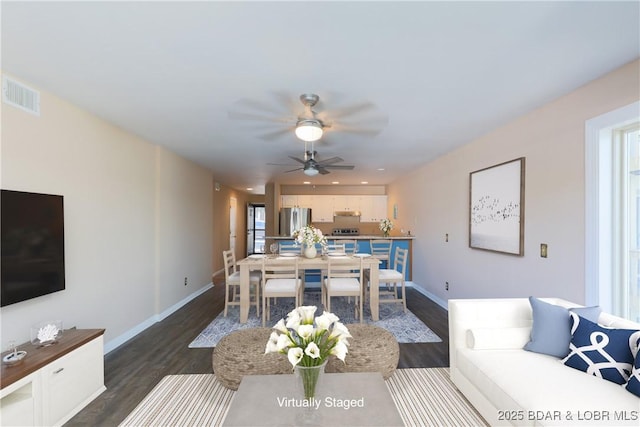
x=346, y=213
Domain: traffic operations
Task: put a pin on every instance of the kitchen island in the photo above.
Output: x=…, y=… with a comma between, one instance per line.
x=364, y=246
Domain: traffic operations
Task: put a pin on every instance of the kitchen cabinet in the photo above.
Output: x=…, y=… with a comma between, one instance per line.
x=322, y=209
x=347, y=203
x=373, y=208
x=296, y=201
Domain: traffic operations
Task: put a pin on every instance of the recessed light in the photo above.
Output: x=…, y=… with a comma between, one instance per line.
x=335, y=182
x=306, y=182
x=364, y=182
x=380, y=169
x=249, y=188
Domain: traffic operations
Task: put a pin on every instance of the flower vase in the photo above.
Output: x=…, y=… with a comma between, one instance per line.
x=308, y=379
x=310, y=251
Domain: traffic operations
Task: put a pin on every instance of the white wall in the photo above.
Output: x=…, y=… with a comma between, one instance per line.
x=434, y=201
x=124, y=201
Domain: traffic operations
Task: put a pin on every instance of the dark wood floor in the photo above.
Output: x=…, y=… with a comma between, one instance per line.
x=133, y=369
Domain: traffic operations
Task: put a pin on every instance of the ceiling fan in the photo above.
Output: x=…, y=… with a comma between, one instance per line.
x=309, y=124
x=312, y=167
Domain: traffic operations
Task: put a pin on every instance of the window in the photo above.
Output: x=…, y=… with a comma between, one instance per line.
x=626, y=272
x=612, y=183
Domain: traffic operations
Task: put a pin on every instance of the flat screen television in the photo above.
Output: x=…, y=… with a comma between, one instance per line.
x=32, y=230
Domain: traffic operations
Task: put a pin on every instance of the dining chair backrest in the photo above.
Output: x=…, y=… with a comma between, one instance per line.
x=229, y=258
x=279, y=268
x=350, y=246
x=338, y=268
x=381, y=248
x=400, y=260
x=335, y=246
x=290, y=247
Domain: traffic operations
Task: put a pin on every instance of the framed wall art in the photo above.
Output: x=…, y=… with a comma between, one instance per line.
x=496, y=208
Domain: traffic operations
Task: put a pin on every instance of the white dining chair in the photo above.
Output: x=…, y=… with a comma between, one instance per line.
x=289, y=247
x=344, y=279
x=232, y=283
x=391, y=277
x=280, y=278
x=381, y=249
x=350, y=246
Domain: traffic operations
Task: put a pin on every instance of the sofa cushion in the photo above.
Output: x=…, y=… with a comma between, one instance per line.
x=600, y=351
x=522, y=380
x=633, y=385
x=497, y=338
x=551, y=330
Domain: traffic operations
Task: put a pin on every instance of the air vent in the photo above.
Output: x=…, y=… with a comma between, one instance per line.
x=20, y=96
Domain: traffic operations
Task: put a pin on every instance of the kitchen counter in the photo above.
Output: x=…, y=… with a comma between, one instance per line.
x=404, y=242
x=359, y=237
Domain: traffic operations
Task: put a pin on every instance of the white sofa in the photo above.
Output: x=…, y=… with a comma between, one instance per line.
x=511, y=386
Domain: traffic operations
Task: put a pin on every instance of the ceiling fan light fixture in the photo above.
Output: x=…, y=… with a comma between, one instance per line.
x=309, y=130
x=311, y=171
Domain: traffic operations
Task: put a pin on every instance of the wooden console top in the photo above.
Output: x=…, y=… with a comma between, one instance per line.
x=37, y=357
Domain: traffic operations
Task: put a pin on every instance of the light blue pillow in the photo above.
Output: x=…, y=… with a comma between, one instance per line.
x=603, y=352
x=551, y=329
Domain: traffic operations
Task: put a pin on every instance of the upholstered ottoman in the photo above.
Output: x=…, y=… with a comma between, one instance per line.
x=372, y=349
x=242, y=353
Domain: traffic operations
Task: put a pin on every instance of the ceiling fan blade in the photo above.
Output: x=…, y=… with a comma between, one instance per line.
x=276, y=134
x=343, y=167
x=293, y=170
x=297, y=159
x=330, y=161
x=322, y=170
x=238, y=115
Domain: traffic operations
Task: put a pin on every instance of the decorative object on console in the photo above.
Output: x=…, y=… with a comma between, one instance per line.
x=385, y=226
x=603, y=352
x=16, y=356
x=46, y=333
x=496, y=208
x=308, y=341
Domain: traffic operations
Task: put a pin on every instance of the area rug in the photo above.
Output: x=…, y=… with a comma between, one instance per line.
x=406, y=327
x=424, y=397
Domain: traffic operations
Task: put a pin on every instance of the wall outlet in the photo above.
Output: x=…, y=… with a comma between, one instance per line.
x=185, y=281
x=446, y=286
x=543, y=250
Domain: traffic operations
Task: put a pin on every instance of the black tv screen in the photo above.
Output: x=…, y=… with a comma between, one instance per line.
x=32, y=230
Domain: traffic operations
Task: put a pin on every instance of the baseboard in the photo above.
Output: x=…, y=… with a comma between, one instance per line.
x=123, y=338
x=442, y=303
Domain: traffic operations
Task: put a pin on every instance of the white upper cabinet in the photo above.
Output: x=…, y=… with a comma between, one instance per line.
x=373, y=208
x=296, y=201
x=322, y=209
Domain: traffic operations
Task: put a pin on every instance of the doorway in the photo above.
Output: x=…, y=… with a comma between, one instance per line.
x=256, y=215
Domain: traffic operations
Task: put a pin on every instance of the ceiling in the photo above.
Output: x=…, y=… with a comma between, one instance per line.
x=434, y=75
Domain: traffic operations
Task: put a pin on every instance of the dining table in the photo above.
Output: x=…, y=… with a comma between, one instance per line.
x=319, y=262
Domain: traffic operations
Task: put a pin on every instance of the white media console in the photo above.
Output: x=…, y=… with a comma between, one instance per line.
x=53, y=383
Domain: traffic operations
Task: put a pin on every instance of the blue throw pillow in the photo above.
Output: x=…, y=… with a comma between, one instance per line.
x=602, y=352
x=551, y=329
x=633, y=385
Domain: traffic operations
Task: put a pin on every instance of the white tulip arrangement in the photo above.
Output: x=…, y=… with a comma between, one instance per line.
x=309, y=235
x=308, y=341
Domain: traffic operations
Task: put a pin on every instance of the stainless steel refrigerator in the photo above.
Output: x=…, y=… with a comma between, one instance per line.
x=292, y=219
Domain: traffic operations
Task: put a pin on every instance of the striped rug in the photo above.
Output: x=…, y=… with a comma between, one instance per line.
x=424, y=397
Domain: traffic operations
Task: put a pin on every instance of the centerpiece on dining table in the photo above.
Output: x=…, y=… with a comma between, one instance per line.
x=309, y=236
x=308, y=342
